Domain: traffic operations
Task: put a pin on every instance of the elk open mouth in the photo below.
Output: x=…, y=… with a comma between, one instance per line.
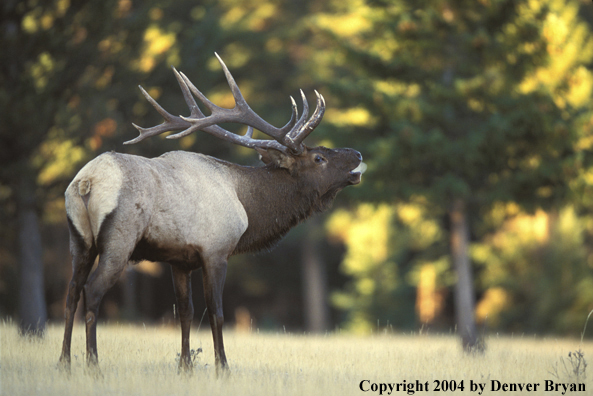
x=356, y=173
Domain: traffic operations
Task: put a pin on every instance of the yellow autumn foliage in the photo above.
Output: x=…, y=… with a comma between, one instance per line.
x=366, y=235
x=567, y=43
x=157, y=44
x=59, y=158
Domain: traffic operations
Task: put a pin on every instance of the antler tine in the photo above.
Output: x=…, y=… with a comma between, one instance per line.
x=313, y=122
x=295, y=113
x=302, y=119
x=196, y=113
x=242, y=103
x=187, y=82
x=237, y=95
x=171, y=122
x=189, y=99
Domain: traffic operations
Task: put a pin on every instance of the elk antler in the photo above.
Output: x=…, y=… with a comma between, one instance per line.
x=289, y=137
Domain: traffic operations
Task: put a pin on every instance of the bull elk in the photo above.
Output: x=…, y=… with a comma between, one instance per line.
x=195, y=211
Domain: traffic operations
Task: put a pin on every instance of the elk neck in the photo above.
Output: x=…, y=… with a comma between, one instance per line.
x=274, y=202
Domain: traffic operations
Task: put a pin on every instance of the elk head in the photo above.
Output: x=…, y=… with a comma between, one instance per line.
x=323, y=170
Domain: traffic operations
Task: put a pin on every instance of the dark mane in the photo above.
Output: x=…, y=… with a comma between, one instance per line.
x=273, y=208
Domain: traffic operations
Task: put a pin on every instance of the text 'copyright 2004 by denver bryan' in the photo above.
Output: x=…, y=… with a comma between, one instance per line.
x=471, y=386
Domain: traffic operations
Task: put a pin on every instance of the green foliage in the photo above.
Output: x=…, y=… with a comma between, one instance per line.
x=551, y=283
x=483, y=101
x=488, y=101
x=455, y=99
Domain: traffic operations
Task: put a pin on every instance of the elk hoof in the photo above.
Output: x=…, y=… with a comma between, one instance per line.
x=92, y=367
x=185, y=366
x=64, y=365
x=222, y=371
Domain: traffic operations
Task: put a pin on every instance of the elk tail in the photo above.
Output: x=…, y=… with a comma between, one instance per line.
x=93, y=195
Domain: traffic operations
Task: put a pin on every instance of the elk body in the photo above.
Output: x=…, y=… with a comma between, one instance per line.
x=194, y=211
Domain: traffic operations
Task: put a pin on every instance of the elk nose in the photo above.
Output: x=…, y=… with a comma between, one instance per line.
x=358, y=155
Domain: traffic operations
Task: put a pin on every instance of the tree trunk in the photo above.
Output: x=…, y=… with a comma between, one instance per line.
x=32, y=309
x=464, y=288
x=314, y=283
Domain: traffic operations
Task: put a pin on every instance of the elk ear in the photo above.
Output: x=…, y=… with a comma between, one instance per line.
x=282, y=160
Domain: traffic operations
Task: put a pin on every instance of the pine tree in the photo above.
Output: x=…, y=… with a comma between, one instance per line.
x=465, y=103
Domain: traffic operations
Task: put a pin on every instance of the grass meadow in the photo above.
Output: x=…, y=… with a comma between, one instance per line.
x=138, y=360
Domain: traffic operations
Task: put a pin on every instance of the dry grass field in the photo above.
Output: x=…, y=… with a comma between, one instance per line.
x=137, y=360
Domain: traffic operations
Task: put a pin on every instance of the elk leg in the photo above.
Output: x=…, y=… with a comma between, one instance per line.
x=214, y=274
x=82, y=263
x=102, y=279
x=182, y=285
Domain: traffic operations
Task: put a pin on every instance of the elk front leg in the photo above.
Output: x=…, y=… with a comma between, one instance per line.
x=214, y=273
x=82, y=263
x=182, y=285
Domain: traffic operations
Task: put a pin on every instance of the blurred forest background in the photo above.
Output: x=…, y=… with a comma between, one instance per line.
x=475, y=119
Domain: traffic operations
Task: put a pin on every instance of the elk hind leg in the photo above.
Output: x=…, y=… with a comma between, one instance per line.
x=82, y=263
x=182, y=285
x=102, y=279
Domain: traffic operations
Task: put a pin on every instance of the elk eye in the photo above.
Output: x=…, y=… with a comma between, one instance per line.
x=319, y=159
